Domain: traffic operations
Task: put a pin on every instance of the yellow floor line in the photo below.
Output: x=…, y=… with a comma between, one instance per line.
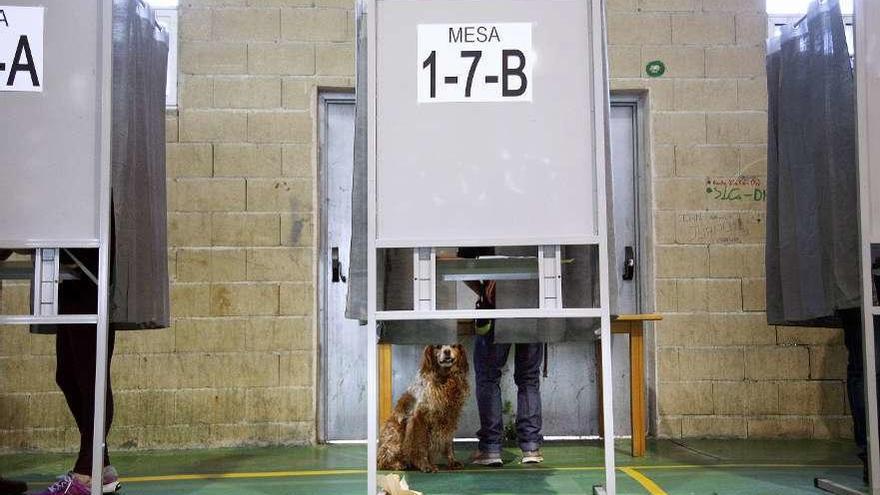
x=647, y=483
x=228, y=476
x=746, y=466
x=343, y=472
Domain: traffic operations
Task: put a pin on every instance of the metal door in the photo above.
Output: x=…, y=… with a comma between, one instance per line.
x=570, y=390
x=343, y=376
x=624, y=176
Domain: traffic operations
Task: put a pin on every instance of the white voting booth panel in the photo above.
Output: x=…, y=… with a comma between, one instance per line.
x=487, y=124
x=867, y=64
x=868, y=69
x=471, y=165
x=49, y=129
x=55, y=80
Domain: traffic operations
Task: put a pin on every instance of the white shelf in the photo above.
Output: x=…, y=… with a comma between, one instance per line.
x=469, y=314
x=49, y=320
x=24, y=270
x=492, y=268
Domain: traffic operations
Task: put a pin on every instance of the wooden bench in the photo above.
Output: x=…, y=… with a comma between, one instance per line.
x=632, y=325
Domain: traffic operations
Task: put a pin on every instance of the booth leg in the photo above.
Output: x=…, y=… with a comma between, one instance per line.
x=102, y=371
x=105, y=11
x=607, y=409
x=836, y=488
x=99, y=431
x=601, y=408
x=372, y=406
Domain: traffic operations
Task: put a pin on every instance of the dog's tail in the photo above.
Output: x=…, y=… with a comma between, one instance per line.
x=391, y=438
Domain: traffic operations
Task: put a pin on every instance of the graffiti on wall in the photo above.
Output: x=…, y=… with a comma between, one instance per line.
x=745, y=188
x=711, y=227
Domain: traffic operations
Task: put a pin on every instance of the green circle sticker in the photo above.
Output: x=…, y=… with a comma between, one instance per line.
x=655, y=68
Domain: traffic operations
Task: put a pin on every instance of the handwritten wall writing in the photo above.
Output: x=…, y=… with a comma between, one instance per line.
x=705, y=227
x=745, y=188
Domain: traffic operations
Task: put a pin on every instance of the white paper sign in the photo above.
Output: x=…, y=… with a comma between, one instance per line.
x=476, y=62
x=21, y=48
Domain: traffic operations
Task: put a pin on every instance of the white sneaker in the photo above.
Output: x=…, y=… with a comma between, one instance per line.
x=111, y=480
x=532, y=457
x=492, y=459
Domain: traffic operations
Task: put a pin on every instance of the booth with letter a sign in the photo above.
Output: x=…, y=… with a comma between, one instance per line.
x=81, y=87
x=487, y=126
x=55, y=141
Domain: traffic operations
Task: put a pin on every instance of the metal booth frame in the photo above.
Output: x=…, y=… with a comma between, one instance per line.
x=867, y=94
x=600, y=96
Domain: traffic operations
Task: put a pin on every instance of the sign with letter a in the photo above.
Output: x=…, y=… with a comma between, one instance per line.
x=21, y=48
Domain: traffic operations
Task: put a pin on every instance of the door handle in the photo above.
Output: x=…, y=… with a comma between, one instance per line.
x=629, y=263
x=336, y=266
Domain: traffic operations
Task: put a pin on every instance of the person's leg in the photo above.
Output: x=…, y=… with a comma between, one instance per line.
x=12, y=487
x=855, y=374
x=76, y=347
x=75, y=375
x=65, y=369
x=855, y=377
x=527, y=375
x=489, y=358
x=85, y=377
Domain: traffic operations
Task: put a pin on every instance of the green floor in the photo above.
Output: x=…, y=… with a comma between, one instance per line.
x=691, y=467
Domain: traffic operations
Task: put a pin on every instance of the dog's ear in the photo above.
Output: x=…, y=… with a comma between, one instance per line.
x=429, y=360
x=461, y=363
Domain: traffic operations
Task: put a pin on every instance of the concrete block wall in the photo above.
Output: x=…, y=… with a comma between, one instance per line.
x=242, y=215
x=721, y=370
x=239, y=365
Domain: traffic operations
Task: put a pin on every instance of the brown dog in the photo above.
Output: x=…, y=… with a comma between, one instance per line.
x=426, y=416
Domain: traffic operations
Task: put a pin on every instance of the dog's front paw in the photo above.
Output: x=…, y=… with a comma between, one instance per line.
x=454, y=465
x=393, y=466
x=429, y=468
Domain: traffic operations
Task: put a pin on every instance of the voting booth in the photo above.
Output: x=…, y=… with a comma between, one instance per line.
x=867, y=68
x=486, y=126
x=82, y=83
x=55, y=63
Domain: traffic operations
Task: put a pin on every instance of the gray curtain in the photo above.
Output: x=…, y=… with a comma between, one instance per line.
x=812, y=250
x=139, y=293
x=356, y=302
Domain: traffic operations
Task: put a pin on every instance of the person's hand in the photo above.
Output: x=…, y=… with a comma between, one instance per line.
x=5, y=253
x=489, y=292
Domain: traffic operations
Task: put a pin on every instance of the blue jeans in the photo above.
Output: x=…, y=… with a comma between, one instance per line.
x=855, y=373
x=489, y=358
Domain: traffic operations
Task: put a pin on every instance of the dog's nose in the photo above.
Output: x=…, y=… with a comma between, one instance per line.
x=446, y=352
